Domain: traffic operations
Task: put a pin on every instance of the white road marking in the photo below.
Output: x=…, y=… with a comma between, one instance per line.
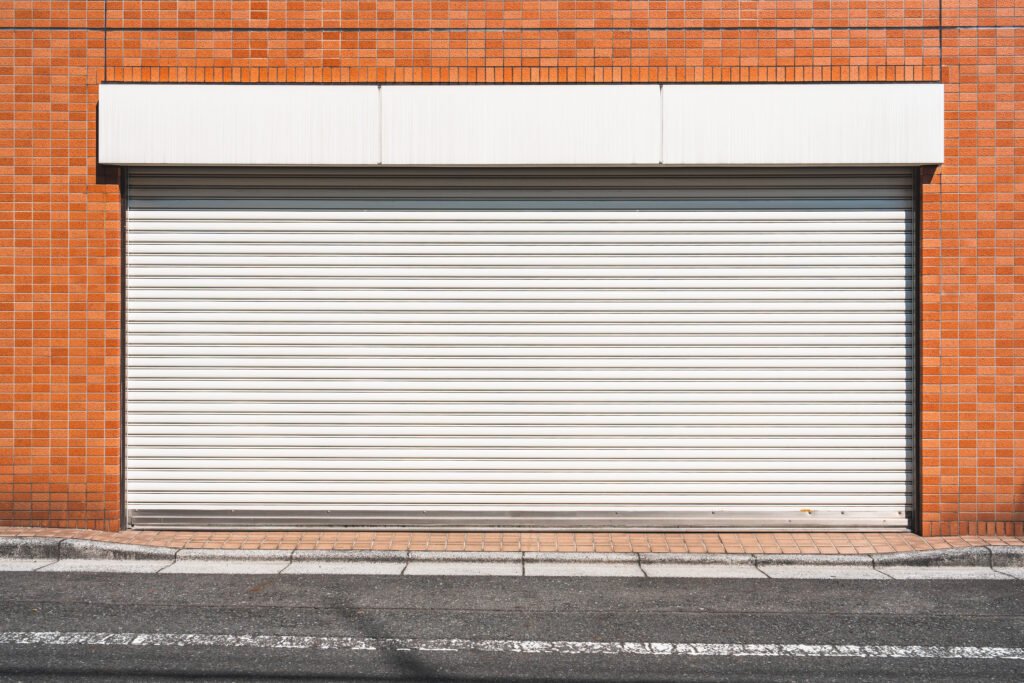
x=558, y=647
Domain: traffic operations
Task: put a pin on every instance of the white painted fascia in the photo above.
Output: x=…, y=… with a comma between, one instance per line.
x=490, y=125
x=254, y=125
x=521, y=124
x=803, y=124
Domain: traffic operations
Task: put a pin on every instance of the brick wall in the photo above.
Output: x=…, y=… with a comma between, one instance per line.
x=59, y=274
x=60, y=263
x=972, y=284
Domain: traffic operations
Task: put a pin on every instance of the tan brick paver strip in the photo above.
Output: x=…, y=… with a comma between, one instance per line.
x=814, y=543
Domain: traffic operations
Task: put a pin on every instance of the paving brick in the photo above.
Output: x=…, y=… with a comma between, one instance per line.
x=691, y=548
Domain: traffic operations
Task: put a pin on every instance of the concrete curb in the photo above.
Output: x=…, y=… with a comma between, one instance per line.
x=952, y=557
x=1007, y=555
x=234, y=555
x=730, y=559
x=350, y=556
x=772, y=560
x=588, y=558
x=463, y=556
x=29, y=548
x=75, y=549
x=37, y=547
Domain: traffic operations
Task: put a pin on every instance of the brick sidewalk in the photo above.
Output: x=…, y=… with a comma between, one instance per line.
x=804, y=542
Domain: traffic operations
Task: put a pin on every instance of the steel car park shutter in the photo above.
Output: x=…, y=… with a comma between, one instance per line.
x=648, y=348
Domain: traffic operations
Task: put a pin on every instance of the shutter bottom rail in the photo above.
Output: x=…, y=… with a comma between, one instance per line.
x=880, y=519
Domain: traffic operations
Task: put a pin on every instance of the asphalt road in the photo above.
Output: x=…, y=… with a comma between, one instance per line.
x=275, y=627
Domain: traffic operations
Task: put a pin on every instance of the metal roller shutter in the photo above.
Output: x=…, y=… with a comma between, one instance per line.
x=501, y=347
